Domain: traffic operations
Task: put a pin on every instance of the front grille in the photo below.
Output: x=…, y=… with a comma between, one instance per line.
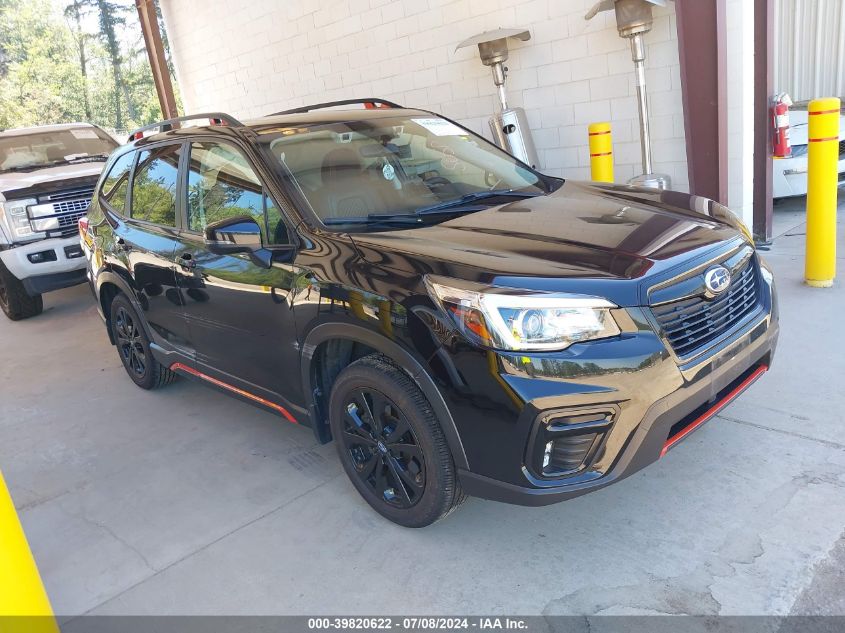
x=691, y=324
x=79, y=205
x=70, y=220
x=72, y=194
x=64, y=207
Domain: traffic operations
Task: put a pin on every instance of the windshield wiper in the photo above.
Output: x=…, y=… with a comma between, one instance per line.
x=375, y=218
x=450, y=207
x=87, y=159
x=474, y=197
x=21, y=168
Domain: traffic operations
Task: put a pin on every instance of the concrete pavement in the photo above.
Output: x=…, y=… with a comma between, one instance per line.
x=186, y=501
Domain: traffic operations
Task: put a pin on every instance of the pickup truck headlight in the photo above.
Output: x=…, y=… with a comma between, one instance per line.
x=522, y=320
x=16, y=219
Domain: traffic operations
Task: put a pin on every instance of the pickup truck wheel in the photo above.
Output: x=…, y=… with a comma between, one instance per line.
x=391, y=444
x=14, y=300
x=133, y=346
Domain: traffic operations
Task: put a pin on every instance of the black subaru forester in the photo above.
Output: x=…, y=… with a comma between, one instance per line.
x=456, y=321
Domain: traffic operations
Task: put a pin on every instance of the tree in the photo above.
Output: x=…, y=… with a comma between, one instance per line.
x=111, y=17
x=38, y=81
x=74, y=12
x=86, y=64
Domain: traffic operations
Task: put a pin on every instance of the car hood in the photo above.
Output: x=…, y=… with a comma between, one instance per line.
x=30, y=180
x=564, y=241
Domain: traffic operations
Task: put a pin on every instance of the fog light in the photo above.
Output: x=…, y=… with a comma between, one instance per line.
x=42, y=256
x=71, y=252
x=547, y=455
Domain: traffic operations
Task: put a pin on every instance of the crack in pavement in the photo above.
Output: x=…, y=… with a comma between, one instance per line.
x=116, y=537
x=763, y=427
x=824, y=595
x=692, y=593
x=206, y=546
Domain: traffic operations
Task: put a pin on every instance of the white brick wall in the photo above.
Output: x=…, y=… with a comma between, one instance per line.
x=263, y=56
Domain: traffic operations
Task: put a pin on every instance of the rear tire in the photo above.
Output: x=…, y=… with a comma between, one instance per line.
x=391, y=444
x=14, y=300
x=133, y=347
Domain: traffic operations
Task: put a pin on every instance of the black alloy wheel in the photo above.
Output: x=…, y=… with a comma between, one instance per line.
x=391, y=443
x=133, y=346
x=129, y=342
x=383, y=448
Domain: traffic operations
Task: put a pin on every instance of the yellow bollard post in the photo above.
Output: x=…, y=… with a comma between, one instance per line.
x=822, y=158
x=24, y=606
x=601, y=152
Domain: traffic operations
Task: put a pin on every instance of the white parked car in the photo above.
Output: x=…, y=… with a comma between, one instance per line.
x=790, y=174
x=47, y=178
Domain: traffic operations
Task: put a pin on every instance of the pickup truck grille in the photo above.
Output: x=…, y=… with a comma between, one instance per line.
x=66, y=207
x=691, y=324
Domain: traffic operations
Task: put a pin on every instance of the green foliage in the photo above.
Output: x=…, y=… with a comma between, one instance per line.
x=44, y=49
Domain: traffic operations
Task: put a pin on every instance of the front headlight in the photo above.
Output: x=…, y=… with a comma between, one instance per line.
x=520, y=320
x=17, y=220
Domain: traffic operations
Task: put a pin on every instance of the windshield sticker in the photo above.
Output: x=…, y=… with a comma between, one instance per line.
x=388, y=172
x=440, y=127
x=84, y=134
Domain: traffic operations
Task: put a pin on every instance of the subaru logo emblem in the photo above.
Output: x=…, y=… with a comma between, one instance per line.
x=717, y=279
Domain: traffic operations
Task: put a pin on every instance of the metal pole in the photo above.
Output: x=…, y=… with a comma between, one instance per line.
x=601, y=152
x=822, y=157
x=638, y=55
x=499, y=75
x=158, y=62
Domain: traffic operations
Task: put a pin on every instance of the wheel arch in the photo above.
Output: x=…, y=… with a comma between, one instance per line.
x=328, y=332
x=109, y=285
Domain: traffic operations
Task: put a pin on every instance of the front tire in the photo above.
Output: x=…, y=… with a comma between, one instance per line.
x=133, y=347
x=14, y=299
x=391, y=444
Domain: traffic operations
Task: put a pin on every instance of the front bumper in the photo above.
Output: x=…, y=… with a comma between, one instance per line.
x=639, y=398
x=63, y=255
x=789, y=176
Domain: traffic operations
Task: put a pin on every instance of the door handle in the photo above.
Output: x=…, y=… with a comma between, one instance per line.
x=186, y=260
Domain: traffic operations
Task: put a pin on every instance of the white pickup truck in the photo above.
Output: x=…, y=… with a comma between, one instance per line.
x=47, y=178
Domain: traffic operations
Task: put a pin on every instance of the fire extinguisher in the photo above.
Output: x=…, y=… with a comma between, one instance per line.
x=781, y=147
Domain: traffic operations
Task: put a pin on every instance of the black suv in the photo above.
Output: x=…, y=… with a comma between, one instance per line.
x=458, y=322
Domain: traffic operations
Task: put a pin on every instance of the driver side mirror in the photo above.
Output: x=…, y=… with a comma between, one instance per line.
x=239, y=234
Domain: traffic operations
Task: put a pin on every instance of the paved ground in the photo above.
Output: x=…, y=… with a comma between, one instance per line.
x=186, y=501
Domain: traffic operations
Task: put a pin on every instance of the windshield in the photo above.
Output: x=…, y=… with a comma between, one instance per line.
x=54, y=147
x=398, y=171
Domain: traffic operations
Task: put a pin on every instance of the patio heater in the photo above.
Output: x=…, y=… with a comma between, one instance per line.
x=634, y=20
x=509, y=125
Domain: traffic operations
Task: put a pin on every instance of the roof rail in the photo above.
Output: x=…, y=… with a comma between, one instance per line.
x=216, y=118
x=369, y=102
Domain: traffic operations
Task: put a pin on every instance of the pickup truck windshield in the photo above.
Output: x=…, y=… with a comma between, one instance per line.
x=25, y=152
x=398, y=171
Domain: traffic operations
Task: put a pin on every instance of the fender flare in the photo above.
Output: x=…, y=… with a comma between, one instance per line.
x=402, y=357
x=107, y=276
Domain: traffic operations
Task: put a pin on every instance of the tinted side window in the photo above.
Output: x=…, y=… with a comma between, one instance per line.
x=221, y=184
x=116, y=184
x=154, y=185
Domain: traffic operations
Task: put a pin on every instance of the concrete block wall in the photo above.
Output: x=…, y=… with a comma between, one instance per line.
x=254, y=58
